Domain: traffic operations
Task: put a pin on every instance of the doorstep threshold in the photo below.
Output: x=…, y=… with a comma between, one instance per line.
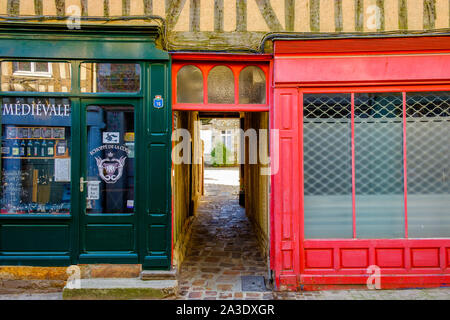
x=129, y=288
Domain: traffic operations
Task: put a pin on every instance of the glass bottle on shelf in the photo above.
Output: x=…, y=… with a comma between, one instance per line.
x=50, y=148
x=6, y=149
x=43, y=148
x=22, y=148
x=36, y=148
x=29, y=148
x=15, y=149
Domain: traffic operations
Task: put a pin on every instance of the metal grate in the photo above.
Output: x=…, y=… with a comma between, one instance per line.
x=378, y=144
x=428, y=142
x=253, y=283
x=327, y=144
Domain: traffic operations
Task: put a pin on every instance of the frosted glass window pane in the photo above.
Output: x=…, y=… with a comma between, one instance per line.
x=379, y=191
x=327, y=166
x=189, y=85
x=428, y=147
x=252, y=86
x=221, y=85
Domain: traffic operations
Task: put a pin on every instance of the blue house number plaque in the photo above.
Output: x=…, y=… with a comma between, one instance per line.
x=158, y=102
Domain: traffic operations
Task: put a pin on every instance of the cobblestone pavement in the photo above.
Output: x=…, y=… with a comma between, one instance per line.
x=223, y=247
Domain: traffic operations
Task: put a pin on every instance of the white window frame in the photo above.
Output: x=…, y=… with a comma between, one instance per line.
x=228, y=134
x=33, y=71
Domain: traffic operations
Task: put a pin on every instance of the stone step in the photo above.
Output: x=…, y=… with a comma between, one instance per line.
x=120, y=288
x=159, y=274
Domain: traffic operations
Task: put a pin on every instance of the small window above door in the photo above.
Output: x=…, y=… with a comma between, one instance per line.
x=226, y=85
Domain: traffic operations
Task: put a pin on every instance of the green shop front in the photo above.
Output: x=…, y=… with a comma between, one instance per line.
x=85, y=146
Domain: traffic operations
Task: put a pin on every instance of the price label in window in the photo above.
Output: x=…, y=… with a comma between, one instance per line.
x=93, y=190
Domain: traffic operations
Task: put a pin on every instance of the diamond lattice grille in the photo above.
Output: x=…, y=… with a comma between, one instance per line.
x=327, y=144
x=428, y=142
x=379, y=144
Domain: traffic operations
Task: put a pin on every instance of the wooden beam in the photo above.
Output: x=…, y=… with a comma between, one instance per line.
x=125, y=7
x=194, y=15
x=338, y=19
x=148, y=7
x=289, y=14
x=269, y=15
x=314, y=15
x=429, y=14
x=215, y=41
x=359, y=15
x=13, y=7
x=173, y=10
x=380, y=6
x=60, y=7
x=403, y=14
x=38, y=9
x=241, y=15
x=218, y=15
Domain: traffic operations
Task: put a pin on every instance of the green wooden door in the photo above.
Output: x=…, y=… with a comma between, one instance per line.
x=110, y=152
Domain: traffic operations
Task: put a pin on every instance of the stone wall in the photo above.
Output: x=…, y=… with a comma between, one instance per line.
x=241, y=24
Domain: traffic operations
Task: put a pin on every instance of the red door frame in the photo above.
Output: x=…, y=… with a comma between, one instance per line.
x=347, y=66
x=236, y=62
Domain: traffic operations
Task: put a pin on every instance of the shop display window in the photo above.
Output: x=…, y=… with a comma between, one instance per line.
x=376, y=165
x=35, y=156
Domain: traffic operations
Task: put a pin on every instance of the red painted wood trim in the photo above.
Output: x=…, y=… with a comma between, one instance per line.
x=236, y=63
x=224, y=108
x=273, y=166
x=341, y=261
x=359, y=69
x=353, y=164
x=405, y=165
x=374, y=87
x=393, y=256
x=180, y=56
x=387, y=281
x=286, y=117
x=369, y=46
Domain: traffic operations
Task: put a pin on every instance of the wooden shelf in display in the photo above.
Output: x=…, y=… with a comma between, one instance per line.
x=43, y=158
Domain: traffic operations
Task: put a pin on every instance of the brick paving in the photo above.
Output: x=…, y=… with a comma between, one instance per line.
x=223, y=247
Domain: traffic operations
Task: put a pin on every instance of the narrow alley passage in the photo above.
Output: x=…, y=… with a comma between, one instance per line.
x=223, y=246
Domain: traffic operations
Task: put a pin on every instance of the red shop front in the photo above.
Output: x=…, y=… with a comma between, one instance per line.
x=363, y=184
